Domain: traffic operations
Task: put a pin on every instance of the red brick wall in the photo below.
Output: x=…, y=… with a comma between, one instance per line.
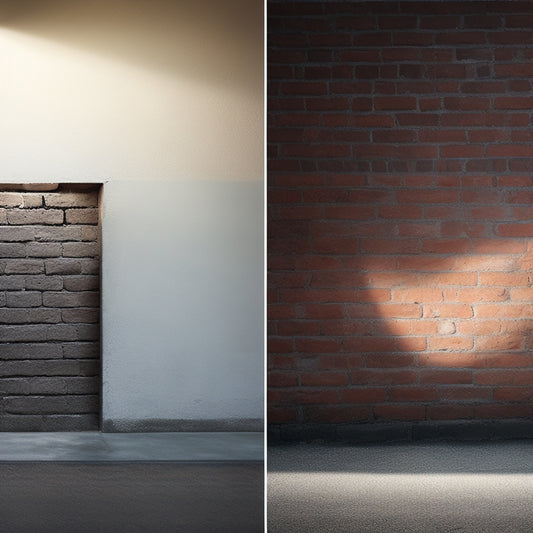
x=400, y=212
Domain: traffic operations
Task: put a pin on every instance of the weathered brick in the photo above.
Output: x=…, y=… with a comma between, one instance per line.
x=12, y=250
x=35, y=216
x=52, y=234
x=88, y=233
x=81, y=249
x=49, y=357
x=43, y=249
x=81, y=283
x=82, y=216
x=24, y=266
x=17, y=234
x=81, y=350
x=32, y=200
x=39, y=367
x=51, y=404
x=44, y=283
x=50, y=332
x=81, y=316
x=12, y=283
x=90, y=266
x=30, y=316
x=62, y=266
x=11, y=199
x=23, y=299
x=71, y=199
x=71, y=299
x=31, y=351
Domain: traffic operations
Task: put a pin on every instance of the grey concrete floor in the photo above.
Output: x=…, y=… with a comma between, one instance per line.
x=422, y=487
x=90, y=446
x=154, y=482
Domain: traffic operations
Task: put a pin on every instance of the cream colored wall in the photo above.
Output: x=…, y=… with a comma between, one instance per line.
x=163, y=102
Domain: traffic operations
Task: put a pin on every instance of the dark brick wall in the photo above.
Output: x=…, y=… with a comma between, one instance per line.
x=400, y=219
x=49, y=310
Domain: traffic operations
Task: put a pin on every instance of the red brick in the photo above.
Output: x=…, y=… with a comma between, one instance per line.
x=446, y=376
x=297, y=327
x=513, y=70
x=499, y=343
x=508, y=310
x=451, y=360
x=487, y=136
x=394, y=103
x=462, y=151
x=509, y=150
x=451, y=343
x=282, y=415
x=442, y=136
x=447, y=246
x=324, y=379
x=467, y=103
x=440, y=22
x=449, y=412
x=282, y=379
x=384, y=310
x=464, y=393
x=280, y=345
x=417, y=295
x=323, y=311
x=478, y=294
x=383, y=377
x=413, y=394
x=337, y=414
x=427, y=196
x=389, y=246
x=513, y=394
x=503, y=411
x=386, y=361
x=510, y=37
x=504, y=377
x=399, y=412
x=364, y=395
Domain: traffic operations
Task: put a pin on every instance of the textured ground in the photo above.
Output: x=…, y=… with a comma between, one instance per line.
x=474, y=488
x=135, y=497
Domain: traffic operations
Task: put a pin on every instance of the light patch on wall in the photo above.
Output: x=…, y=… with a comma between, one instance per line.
x=119, y=95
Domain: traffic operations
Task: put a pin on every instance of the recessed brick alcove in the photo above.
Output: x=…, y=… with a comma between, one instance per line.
x=49, y=307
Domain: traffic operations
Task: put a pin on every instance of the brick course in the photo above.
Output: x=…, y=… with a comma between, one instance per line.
x=399, y=213
x=49, y=311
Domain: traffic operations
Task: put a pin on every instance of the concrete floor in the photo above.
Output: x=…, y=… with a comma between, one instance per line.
x=154, y=482
x=429, y=487
x=91, y=446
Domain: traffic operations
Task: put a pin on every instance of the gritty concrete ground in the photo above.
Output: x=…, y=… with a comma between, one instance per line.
x=138, y=497
x=430, y=487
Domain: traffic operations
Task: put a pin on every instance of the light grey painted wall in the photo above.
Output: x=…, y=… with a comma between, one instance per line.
x=161, y=101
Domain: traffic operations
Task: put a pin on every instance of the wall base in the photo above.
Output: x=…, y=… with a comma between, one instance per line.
x=404, y=431
x=167, y=425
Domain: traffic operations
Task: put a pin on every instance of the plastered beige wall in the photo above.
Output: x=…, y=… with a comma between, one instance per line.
x=161, y=101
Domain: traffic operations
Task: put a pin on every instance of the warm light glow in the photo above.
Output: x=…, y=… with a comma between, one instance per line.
x=128, y=97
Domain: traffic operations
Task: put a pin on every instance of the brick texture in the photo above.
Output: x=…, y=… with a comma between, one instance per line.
x=49, y=311
x=400, y=226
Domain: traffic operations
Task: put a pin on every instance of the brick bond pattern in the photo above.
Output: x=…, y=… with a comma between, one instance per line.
x=400, y=216
x=49, y=311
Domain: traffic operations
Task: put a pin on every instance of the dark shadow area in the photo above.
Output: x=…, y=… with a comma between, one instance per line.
x=511, y=457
